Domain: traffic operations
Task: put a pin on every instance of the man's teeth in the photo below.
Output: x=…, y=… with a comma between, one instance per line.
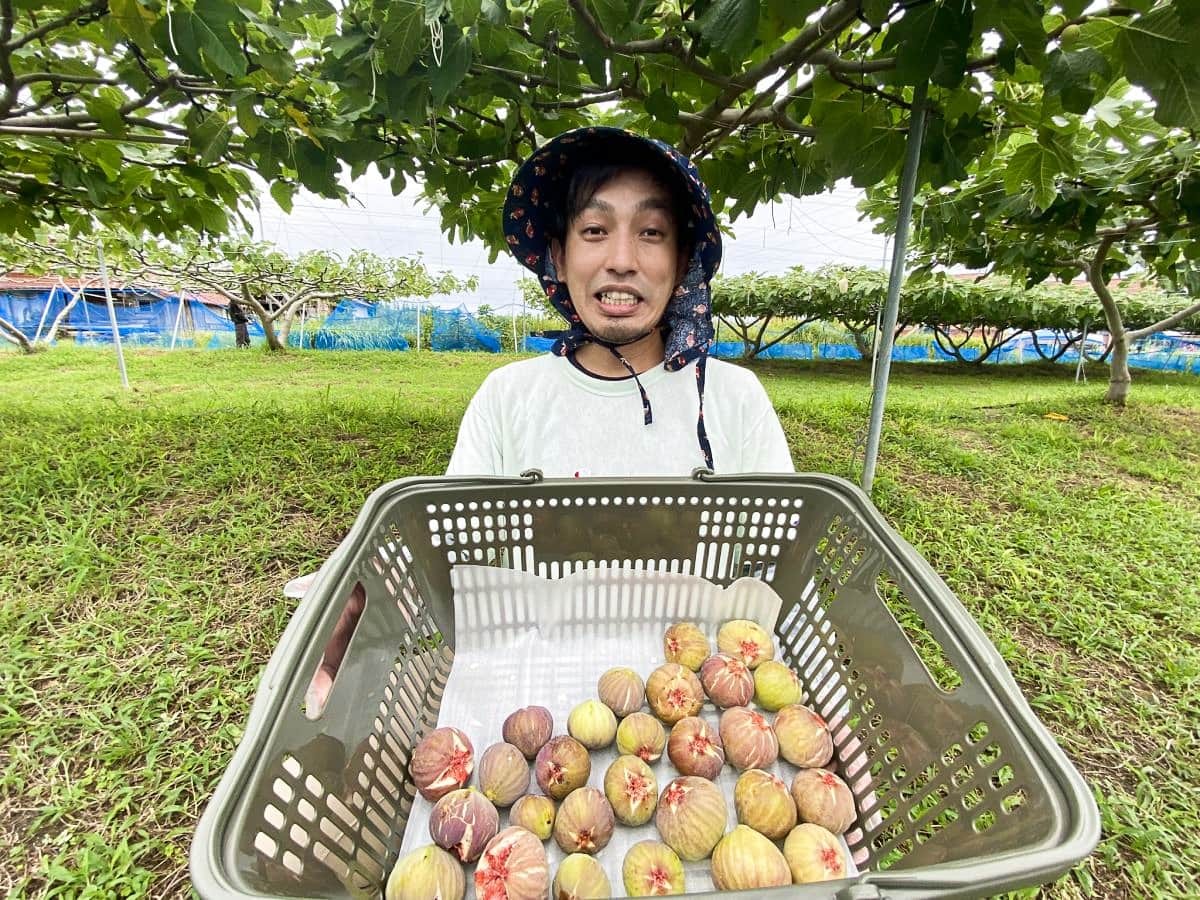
x=617, y=298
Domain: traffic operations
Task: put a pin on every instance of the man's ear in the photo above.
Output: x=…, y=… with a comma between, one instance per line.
x=556, y=256
x=681, y=267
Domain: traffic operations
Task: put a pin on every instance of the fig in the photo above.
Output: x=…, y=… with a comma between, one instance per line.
x=652, y=869
x=641, y=735
x=776, y=686
x=727, y=681
x=442, y=762
x=691, y=816
x=823, y=799
x=685, y=644
x=814, y=853
x=631, y=789
x=622, y=691
x=503, y=774
x=762, y=801
x=749, y=741
x=674, y=692
x=747, y=641
x=424, y=874
x=695, y=748
x=804, y=738
x=745, y=860
x=562, y=766
x=535, y=813
x=462, y=822
x=513, y=867
x=528, y=729
x=584, y=823
x=580, y=877
x=592, y=724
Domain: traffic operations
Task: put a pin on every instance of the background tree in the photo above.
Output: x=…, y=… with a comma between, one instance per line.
x=260, y=277
x=155, y=113
x=1069, y=196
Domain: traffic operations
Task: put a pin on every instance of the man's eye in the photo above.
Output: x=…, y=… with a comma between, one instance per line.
x=592, y=230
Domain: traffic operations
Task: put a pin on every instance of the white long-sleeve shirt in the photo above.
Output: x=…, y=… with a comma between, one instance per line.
x=546, y=413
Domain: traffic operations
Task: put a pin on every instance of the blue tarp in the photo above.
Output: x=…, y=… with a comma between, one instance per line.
x=25, y=309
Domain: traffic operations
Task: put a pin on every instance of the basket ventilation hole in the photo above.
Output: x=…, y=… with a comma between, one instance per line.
x=926, y=646
x=324, y=678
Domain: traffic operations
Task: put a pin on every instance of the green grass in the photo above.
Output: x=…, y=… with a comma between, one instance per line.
x=145, y=536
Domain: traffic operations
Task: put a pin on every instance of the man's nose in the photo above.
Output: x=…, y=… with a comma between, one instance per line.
x=622, y=253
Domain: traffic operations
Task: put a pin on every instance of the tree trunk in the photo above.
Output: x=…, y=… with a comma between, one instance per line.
x=264, y=317
x=13, y=334
x=1118, y=378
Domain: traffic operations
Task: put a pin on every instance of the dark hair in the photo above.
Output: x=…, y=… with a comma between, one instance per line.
x=589, y=177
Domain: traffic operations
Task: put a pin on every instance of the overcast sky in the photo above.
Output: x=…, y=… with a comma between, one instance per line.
x=810, y=231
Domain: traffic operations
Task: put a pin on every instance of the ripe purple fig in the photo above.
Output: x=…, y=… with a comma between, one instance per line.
x=745, y=860
x=535, y=813
x=462, y=822
x=631, y=789
x=584, y=823
x=813, y=854
x=513, y=867
x=503, y=774
x=641, y=735
x=562, y=766
x=691, y=816
x=747, y=641
x=674, y=692
x=695, y=748
x=823, y=799
x=748, y=739
x=776, y=686
x=762, y=801
x=442, y=762
x=804, y=738
x=592, y=724
x=622, y=690
x=424, y=873
x=528, y=729
x=652, y=869
x=685, y=643
x=581, y=877
x=727, y=681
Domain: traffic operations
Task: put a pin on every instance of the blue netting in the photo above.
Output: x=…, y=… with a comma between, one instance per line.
x=457, y=329
x=356, y=325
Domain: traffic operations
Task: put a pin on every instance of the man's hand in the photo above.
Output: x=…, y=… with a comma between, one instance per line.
x=322, y=681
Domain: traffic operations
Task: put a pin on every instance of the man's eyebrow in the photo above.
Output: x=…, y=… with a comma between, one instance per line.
x=653, y=202
x=598, y=204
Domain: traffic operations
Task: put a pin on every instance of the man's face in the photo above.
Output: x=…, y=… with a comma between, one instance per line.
x=621, y=259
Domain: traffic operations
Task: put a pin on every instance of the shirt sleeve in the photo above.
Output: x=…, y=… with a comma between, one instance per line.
x=765, y=447
x=478, y=448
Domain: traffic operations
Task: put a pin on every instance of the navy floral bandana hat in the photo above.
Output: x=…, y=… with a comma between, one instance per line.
x=537, y=196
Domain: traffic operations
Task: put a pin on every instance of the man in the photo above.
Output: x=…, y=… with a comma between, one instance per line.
x=620, y=232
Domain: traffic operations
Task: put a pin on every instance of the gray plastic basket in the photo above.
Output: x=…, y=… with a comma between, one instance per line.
x=968, y=794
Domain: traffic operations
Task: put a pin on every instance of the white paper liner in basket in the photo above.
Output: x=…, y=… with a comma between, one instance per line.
x=521, y=639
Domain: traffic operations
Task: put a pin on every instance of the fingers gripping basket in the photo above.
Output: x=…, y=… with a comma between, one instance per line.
x=960, y=790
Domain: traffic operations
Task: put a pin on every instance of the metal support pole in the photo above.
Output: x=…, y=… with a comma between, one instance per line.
x=112, y=317
x=1080, y=371
x=178, y=317
x=883, y=359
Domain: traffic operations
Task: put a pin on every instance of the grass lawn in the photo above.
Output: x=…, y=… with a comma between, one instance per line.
x=145, y=536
